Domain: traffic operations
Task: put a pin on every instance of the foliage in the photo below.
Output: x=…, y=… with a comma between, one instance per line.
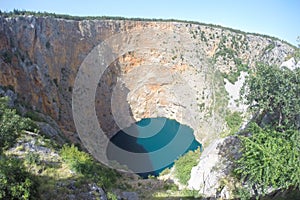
x=271, y=151
x=165, y=172
x=242, y=193
x=11, y=124
x=15, y=182
x=83, y=163
x=297, y=55
x=32, y=158
x=184, y=165
x=233, y=121
x=78, y=161
x=190, y=193
x=270, y=158
x=269, y=47
x=274, y=91
x=233, y=76
x=111, y=196
x=226, y=52
x=220, y=95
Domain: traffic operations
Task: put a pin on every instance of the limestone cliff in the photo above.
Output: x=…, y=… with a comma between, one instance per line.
x=40, y=58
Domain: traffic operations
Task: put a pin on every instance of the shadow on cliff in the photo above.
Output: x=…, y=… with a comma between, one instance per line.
x=114, y=114
x=129, y=144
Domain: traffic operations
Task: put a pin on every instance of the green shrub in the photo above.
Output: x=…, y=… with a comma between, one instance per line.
x=11, y=125
x=242, y=193
x=184, y=165
x=78, y=161
x=270, y=158
x=270, y=152
x=269, y=47
x=233, y=76
x=111, y=196
x=84, y=164
x=15, y=182
x=32, y=158
x=233, y=121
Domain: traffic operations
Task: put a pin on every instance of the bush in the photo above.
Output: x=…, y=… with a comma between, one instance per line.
x=184, y=165
x=78, y=161
x=11, y=124
x=84, y=164
x=233, y=121
x=32, y=158
x=270, y=158
x=242, y=193
x=15, y=182
x=111, y=196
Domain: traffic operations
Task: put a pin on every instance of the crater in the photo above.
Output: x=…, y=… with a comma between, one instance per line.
x=164, y=81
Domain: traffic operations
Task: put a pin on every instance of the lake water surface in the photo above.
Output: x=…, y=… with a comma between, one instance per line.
x=162, y=140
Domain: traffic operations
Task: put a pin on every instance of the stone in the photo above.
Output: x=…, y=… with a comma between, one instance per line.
x=206, y=175
x=215, y=165
x=129, y=196
x=47, y=129
x=290, y=64
x=99, y=190
x=9, y=93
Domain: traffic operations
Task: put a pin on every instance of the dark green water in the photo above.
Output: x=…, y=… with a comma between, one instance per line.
x=162, y=140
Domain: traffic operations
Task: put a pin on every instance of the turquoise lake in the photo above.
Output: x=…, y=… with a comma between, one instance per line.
x=161, y=140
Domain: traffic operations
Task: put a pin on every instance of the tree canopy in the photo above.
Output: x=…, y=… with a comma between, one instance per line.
x=275, y=92
x=270, y=145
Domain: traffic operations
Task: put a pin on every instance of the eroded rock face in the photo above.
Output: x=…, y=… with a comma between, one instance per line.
x=40, y=57
x=215, y=165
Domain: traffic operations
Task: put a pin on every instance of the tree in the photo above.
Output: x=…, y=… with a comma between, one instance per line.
x=271, y=150
x=272, y=91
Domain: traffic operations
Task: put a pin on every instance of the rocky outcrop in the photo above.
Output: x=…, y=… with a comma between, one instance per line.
x=212, y=174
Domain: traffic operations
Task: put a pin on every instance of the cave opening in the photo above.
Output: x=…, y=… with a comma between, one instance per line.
x=162, y=141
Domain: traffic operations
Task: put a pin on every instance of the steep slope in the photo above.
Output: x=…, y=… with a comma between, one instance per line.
x=40, y=58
